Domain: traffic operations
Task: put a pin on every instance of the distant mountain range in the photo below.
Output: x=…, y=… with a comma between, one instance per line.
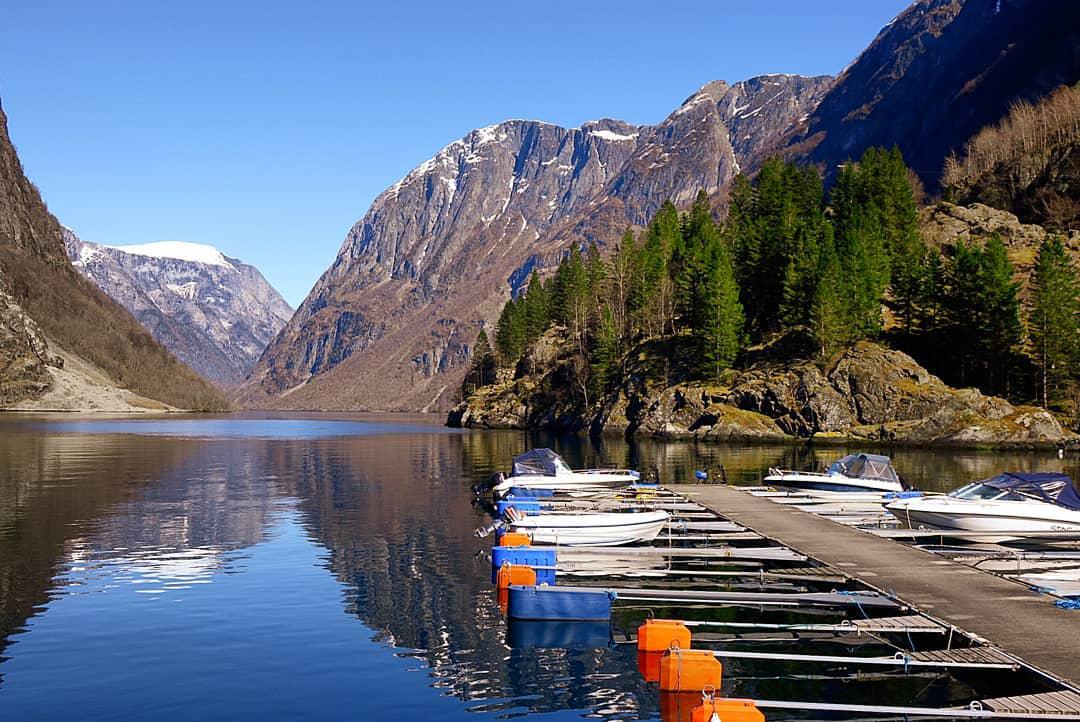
x=390, y=323
x=215, y=313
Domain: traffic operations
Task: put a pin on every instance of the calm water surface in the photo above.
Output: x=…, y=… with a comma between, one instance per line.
x=317, y=567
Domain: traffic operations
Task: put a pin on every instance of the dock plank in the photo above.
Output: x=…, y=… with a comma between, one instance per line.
x=1018, y=620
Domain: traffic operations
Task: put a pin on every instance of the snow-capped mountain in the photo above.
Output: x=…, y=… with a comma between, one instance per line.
x=213, y=312
x=390, y=323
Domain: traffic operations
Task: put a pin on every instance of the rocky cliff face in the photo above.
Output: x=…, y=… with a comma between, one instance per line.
x=215, y=313
x=390, y=324
x=45, y=306
x=866, y=393
x=939, y=72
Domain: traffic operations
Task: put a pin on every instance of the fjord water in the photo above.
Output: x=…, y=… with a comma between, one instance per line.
x=319, y=567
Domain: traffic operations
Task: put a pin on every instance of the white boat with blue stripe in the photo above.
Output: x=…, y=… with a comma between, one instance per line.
x=854, y=473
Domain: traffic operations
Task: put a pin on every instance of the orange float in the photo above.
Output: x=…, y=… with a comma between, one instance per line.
x=728, y=710
x=659, y=635
x=514, y=539
x=689, y=670
x=510, y=574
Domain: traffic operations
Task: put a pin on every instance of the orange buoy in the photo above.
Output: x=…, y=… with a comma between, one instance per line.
x=715, y=709
x=648, y=663
x=689, y=670
x=515, y=574
x=514, y=539
x=678, y=706
x=659, y=635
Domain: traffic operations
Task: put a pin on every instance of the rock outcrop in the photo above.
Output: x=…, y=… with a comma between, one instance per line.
x=945, y=223
x=390, y=324
x=867, y=392
x=24, y=355
x=215, y=313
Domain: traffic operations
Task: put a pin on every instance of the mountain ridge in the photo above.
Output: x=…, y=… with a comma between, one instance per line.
x=541, y=188
x=214, y=312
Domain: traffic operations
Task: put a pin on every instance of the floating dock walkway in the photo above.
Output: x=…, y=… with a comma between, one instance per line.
x=1007, y=614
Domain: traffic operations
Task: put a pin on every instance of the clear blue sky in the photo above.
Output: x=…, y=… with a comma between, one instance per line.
x=266, y=129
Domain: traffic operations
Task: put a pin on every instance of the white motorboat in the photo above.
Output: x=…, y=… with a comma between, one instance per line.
x=543, y=469
x=1018, y=505
x=853, y=473
x=593, y=529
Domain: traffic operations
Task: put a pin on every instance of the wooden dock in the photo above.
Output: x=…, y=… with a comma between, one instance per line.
x=1005, y=613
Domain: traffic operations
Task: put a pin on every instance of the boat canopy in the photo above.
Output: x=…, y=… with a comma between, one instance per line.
x=866, y=466
x=539, y=462
x=1052, y=487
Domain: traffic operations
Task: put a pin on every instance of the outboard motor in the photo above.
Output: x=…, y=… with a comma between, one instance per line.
x=494, y=480
x=483, y=531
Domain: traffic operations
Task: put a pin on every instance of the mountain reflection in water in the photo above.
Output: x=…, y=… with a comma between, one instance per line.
x=179, y=568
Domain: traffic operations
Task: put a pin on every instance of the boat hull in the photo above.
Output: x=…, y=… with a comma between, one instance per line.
x=603, y=529
x=836, y=483
x=1027, y=519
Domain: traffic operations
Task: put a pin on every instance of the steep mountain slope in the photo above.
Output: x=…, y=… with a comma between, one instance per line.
x=215, y=313
x=49, y=304
x=939, y=72
x=390, y=323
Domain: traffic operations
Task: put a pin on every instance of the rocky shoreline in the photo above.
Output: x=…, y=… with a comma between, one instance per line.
x=867, y=393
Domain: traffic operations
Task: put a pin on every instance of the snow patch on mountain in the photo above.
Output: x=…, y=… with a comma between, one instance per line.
x=180, y=250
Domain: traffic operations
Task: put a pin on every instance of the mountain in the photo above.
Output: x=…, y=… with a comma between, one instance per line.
x=58, y=331
x=390, y=324
x=215, y=313
x=938, y=73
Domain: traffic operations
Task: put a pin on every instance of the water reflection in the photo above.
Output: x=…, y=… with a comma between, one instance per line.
x=254, y=575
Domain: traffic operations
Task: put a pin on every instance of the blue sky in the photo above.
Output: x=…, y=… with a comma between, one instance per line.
x=266, y=129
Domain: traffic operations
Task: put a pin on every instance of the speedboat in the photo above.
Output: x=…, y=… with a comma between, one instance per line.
x=543, y=469
x=853, y=473
x=1024, y=503
x=593, y=529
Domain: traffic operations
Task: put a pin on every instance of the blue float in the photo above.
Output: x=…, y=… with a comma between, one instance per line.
x=542, y=560
x=529, y=507
x=524, y=491
x=525, y=634
x=555, y=604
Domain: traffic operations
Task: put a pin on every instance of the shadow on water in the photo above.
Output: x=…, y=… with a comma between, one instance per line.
x=150, y=569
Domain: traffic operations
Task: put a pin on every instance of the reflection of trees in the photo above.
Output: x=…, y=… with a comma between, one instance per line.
x=395, y=513
x=53, y=489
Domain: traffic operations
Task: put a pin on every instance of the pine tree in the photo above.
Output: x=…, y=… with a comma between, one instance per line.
x=536, y=308
x=656, y=288
x=510, y=333
x=1054, y=324
x=721, y=324
x=1003, y=331
x=482, y=372
x=829, y=315
x=860, y=247
x=604, y=355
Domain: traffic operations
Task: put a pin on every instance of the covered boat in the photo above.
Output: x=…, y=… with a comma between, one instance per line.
x=1026, y=504
x=544, y=469
x=853, y=473
x=591, y=529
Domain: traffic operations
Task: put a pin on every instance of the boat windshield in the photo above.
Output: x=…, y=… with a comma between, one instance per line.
x=540, y=462
x=1048, y=487
x=865, y=466
x=985, y=492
